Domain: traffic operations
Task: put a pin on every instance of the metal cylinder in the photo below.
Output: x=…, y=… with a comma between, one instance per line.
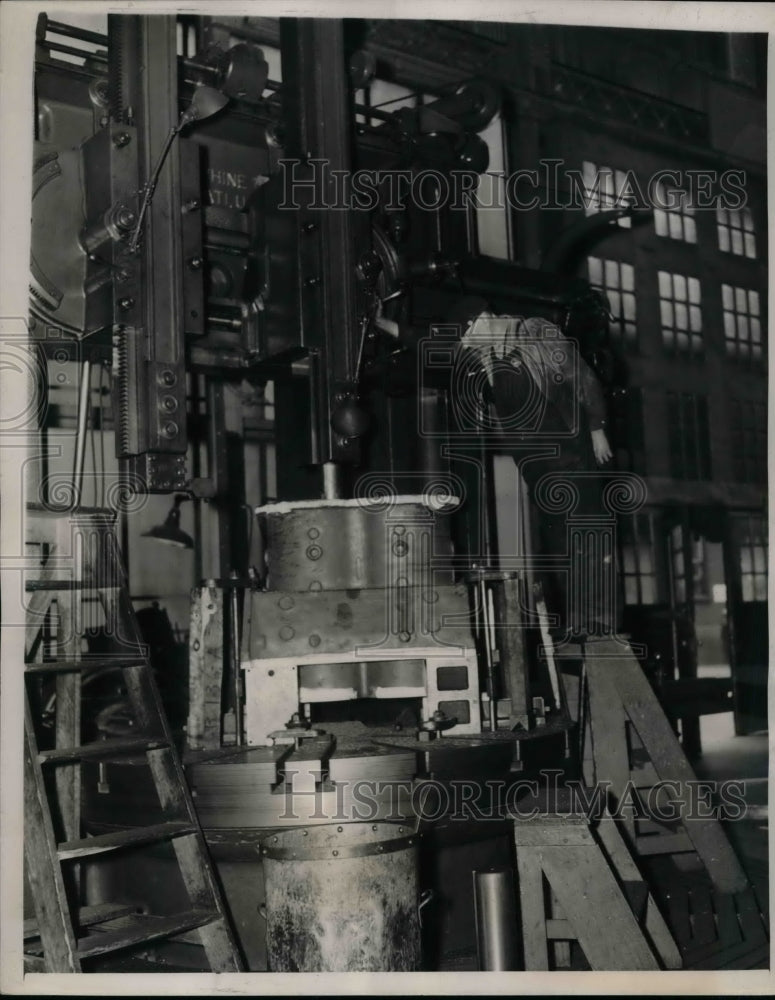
x=496, y=920
x=342, y=899
x=332, y=481
x=354, y=544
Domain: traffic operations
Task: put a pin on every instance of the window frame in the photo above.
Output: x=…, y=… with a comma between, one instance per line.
x=690, y=452
x=673, y=331
x=751, y=538
x=631, y=538
x=679, y=217
x=726, y=231
x=748, y=427
x=596, y=200
x=750, y=347
x=627, y=329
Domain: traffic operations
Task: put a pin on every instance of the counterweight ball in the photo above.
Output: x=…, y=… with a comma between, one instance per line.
x=350, y=419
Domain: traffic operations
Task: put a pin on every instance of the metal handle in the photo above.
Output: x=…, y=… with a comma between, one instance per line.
x=425, y=897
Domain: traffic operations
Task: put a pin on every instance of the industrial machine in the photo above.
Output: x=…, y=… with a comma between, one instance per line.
x=196, y=223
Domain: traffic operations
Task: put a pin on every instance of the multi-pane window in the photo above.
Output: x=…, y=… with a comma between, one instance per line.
x=677, y=564
x=751, y=536
x=673, y=214
x=749, y=440
x=680, y=312
x=617, y=281
x=677, y=551
x=492, y=218
x=742, y=321
x=605, y=189
x=639, y=558
x=735, y=231
x=688, y=435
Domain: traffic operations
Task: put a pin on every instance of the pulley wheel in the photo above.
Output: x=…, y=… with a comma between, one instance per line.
x=484, y=103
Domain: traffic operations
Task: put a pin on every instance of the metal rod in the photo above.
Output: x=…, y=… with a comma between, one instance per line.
x=488, y=654
x=82, y=34
x=495, y=913
x=235, y=664
x=490, y=625
x=80, y=437
x=332, y=481
x=73, y=51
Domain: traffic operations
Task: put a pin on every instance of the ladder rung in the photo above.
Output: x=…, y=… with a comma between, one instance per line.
x=142, y=929
x=671, y=843
x=74, y=666
x=104, y=748
x=87, y=916
x=122, y=838
x=560, y=930
x=100, y=931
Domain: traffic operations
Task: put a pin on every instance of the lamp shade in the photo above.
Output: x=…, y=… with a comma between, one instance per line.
x=206, y=102
x=170, y=531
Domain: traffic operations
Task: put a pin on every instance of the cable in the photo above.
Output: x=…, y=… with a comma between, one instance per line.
x=102, y=437
x=150, y=187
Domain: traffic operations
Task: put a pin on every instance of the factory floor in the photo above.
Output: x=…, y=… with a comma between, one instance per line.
x=725, y=757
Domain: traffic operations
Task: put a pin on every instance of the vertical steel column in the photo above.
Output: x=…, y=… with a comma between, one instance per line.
x=316, y=110
x=149, y=283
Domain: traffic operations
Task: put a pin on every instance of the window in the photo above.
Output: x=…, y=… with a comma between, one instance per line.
x=617, y=281
x=605, y=189
x=689, y=437
x=679, y=309
x=186, y=37
x=749, y=441
x=676, y=219
x=742, y=323
x=77, y=50
x=677, y=563
x=274, y=63
x=751, y=536
x=627, y=437
x=735, y=231
x=699, y=569
x=638, y=552
x=677, y=550
x=492, y=232
x=385, y=96
x=492, y=216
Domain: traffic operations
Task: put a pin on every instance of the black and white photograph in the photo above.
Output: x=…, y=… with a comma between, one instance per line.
x=384, y=526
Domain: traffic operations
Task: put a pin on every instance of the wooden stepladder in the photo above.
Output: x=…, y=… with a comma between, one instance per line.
x=631, y=748
x=82, y=570
x=579, y=883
